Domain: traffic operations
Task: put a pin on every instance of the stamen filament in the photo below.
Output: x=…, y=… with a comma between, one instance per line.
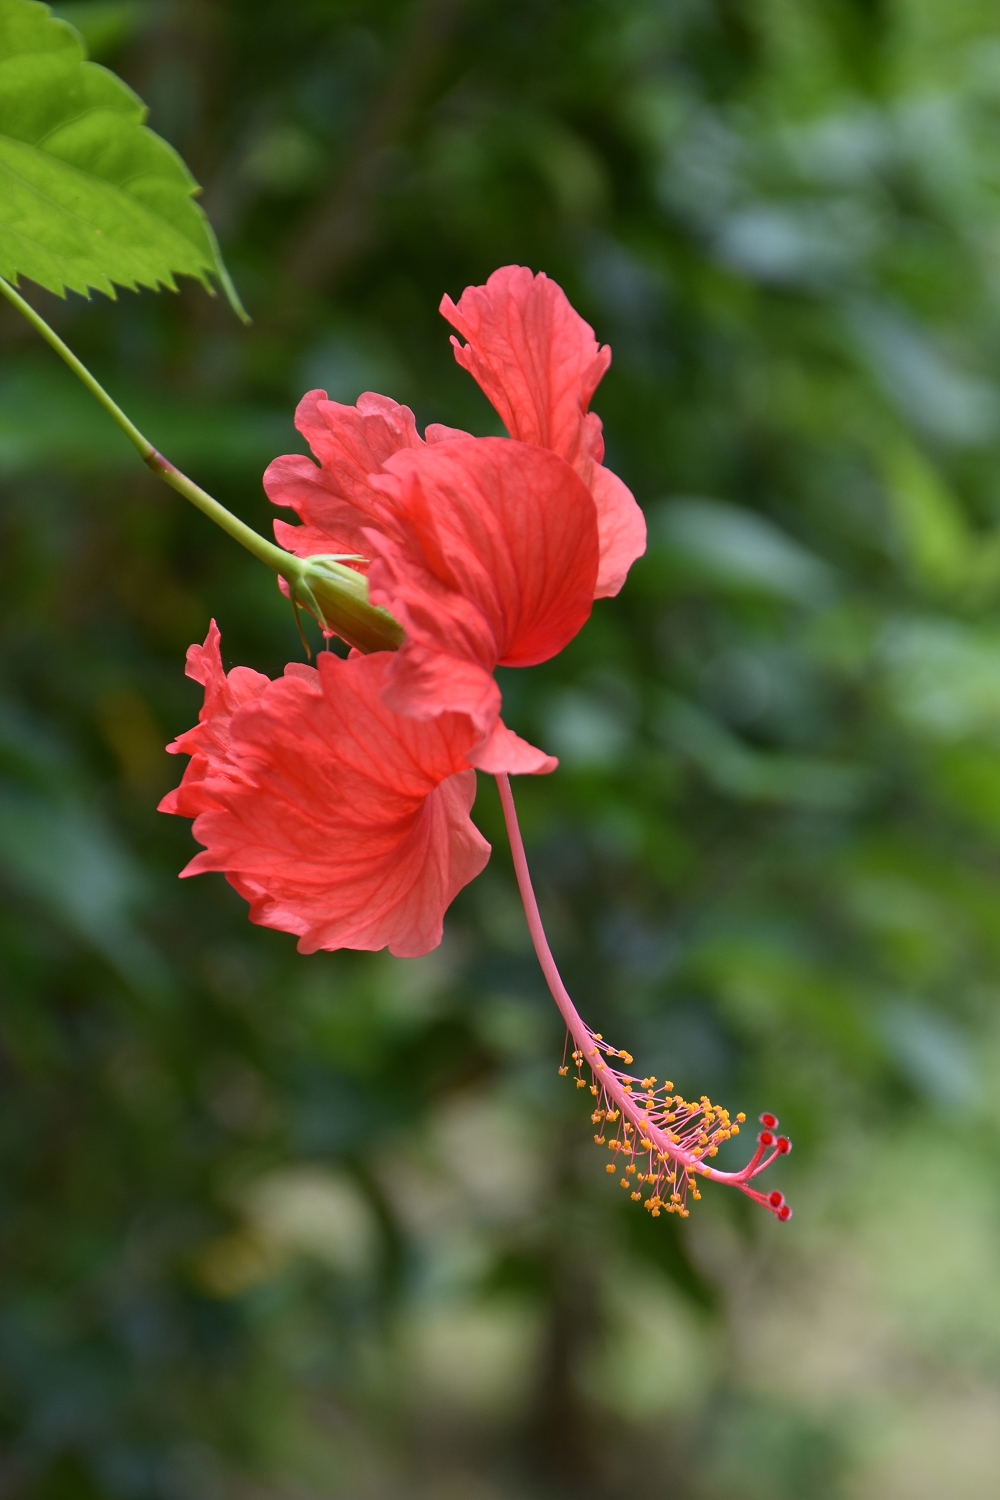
x=672, y=1158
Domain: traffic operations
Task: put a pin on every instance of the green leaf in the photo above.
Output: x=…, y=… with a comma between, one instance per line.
x=90, y=199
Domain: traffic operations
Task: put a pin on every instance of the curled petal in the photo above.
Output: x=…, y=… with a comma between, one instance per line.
x=335, y=500
x=337, y=819
x=208, y=742
x=423, y=682
x=621, y=526
x=491, y=558
x=539, y=364
x=419, y=681
x=505, y=751
x=437, y=432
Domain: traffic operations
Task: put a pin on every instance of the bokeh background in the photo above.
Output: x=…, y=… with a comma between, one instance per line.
x=278, y=1228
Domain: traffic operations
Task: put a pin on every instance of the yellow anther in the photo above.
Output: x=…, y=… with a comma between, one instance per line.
x=630, y=1168
x=563, y=1071
x=593, y=1089
x=610, y=1167
x=741, y=1118
x=581, y=1083
x=636, y=1197
x=599, y=1140
x=734, y=1130
x=625, y=1182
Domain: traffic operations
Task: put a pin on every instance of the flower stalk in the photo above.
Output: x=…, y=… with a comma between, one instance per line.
x=336, y=595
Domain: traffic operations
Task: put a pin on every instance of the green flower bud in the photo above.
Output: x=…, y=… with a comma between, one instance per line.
x=337, y=596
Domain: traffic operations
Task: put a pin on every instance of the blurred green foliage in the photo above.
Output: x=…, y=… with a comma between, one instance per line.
x=283, y=1227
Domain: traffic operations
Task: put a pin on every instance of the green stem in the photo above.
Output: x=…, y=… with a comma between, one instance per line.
x=266, y=551
x=342, y=593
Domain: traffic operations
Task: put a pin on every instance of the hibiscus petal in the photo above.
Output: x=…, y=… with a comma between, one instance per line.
x=491, y=557
x=339, y=820
x=621, y=527
x=420, y=680
x=539, y=364
x=335, y=499
x=533, y=356
x=208, y=742
x=437, y=432
x=492, y=551
x=505, y=751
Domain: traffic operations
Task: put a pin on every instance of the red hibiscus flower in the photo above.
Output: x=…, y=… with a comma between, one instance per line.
x=539, y=364
x=336, y=800
x=335, y=818
x=488, y=552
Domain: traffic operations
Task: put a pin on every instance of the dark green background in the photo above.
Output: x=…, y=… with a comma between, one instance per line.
x=275, y=1228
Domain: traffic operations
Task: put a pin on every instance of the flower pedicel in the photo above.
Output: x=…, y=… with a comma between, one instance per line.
x=336, y=799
